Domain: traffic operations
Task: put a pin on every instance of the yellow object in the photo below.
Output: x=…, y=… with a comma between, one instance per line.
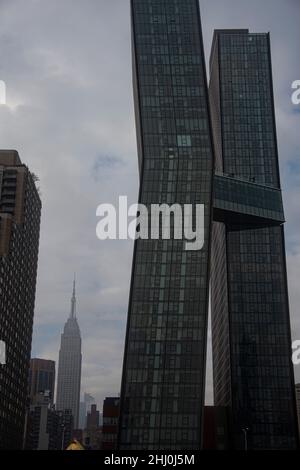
x=75, y=445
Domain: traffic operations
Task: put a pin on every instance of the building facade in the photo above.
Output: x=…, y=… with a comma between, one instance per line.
x=216, y=428
x=111, y=413
x=42, y=424
x=20, y=211
x=69, y=366
x=41, y=378
x=93, y=418
x=163, y=382
x=93, y=432
x=252, y=366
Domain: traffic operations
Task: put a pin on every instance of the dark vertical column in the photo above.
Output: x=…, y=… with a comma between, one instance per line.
x=164, y=365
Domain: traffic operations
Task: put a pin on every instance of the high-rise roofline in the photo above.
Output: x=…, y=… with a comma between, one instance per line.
x=10, y=158
x=223, y=31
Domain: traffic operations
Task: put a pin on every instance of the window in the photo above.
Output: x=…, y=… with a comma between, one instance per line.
x=184, y=141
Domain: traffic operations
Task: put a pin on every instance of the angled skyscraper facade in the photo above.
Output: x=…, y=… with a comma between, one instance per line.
x=20, y=212
x=69, y=366
x=253, y=371
x=164, y=365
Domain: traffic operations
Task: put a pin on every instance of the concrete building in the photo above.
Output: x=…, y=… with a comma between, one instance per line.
x=20, y=212
x=41, y=378
x=42, y=427
x=93, y=432
x=93, y=416
x=111, y=413
x=66, y=427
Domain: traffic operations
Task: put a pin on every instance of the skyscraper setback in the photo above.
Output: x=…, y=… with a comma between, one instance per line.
x=20, y=211
x=69, y=365
x=163, y=382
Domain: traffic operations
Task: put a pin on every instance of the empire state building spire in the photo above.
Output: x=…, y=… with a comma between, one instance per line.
x=73, y=300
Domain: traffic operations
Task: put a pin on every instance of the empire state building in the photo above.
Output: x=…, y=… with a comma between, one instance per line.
x=69, y=366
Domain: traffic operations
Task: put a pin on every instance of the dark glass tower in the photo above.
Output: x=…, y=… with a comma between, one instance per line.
x=164, y=366
x=252, y=365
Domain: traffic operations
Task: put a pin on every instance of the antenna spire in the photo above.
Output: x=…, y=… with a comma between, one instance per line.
x=73, y=299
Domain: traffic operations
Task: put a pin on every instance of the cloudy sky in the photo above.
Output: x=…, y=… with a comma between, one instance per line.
x=69, y=113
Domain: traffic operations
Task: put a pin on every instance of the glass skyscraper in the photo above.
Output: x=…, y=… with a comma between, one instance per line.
x=253, y=371
x=164, y=367
x=162, y=396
